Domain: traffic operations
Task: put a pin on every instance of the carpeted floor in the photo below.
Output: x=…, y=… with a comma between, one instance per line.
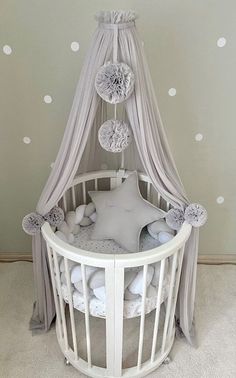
x=24, y=356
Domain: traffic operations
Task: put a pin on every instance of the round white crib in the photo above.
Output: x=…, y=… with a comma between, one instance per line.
x=113, y=346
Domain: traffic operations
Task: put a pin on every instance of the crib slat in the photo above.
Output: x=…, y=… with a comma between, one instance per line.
x=96, y=184
x=87, y=325
x=167, y=206
x=71, y=308
x=158, y=199
x=64, y=202
x=171, y=321
x=158, y=308
x=119, y=320
x=142, y=320
x=54, y=290
x=61, y=300
x=169, y=300
x=84, y=192
x=73, y=197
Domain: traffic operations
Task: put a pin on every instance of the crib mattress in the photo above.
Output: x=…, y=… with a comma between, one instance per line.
x=83, y=240
x=97, y=307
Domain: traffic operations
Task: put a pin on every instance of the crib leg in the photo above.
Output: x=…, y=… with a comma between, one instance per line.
x=67, y=362
x=167, y=360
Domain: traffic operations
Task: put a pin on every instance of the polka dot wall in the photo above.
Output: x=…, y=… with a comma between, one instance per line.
x=192, y=63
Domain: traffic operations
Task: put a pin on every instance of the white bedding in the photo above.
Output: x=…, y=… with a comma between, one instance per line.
x=96, y=288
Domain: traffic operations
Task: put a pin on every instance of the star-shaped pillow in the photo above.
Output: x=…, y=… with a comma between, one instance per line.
x=122, y=213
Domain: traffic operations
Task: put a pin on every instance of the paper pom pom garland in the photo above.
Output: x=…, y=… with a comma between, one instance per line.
x=195, y=214
x=114, y=82
x=114, y=135
x=32, y=223
x=55, y=216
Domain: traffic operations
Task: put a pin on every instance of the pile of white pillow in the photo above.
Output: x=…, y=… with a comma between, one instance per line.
x=95, y=279
x=84, y=215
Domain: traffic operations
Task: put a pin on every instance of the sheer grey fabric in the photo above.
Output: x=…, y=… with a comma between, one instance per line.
x=150, y=153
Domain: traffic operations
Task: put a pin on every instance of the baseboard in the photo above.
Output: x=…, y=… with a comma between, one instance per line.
x=12, y=257
x=202, y=259
x=217, y=259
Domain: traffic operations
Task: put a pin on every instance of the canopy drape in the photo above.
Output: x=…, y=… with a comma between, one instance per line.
x=151, y=151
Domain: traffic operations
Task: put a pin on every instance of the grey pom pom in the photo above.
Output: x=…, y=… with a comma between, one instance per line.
x=114, y=82
x=175, y=218
x=32, y=223
x=114, y=135
x=55, y=216
x=195, y=214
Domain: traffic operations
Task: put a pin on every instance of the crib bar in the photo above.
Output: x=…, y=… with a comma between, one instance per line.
x=110, y=319
x=158, y=199
x=119, y=321
x=169, y=300
x=96, y=184
x=73, y=197
x=171, y=320
x=148, y=191
x=158, y=309
x=84, y=192
x=60, y=300
x=142, y=320
x=167, y=206
x=54, y=290
x=71, y=308
x=87, y=325
x=64, y=202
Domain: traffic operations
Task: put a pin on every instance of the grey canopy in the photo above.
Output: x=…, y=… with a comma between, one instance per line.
x=150, y=152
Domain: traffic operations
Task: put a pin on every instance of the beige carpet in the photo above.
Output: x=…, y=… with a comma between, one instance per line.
x=24, y=356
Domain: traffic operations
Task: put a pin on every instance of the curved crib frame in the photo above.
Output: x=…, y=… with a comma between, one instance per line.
x=114, y=266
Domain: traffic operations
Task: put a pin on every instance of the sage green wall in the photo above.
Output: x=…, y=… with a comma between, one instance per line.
x=180, y=39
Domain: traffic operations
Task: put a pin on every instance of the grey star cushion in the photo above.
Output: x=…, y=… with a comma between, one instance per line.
x=122, y=213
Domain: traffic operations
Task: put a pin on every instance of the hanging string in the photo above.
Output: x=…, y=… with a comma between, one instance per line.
x=115, y=57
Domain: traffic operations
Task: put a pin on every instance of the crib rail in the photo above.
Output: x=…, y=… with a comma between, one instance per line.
x=161, y=321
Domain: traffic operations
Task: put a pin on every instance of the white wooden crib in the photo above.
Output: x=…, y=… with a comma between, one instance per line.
x=68, y=334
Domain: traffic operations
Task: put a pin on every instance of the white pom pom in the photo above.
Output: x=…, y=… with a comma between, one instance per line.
x=114, y=135
x=114, y=82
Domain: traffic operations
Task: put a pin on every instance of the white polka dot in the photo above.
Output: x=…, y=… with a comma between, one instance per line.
x=172, y=92
x=26, y=140
x=221, y=42
x=47, y=99
x=104, y=166
x=198, y=137
x=220, y=200
x=74, y=46
x=142, y=43
x=7, y=50
x=52, y=164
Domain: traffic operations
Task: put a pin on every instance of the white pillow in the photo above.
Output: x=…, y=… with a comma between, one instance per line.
x=122, y=213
